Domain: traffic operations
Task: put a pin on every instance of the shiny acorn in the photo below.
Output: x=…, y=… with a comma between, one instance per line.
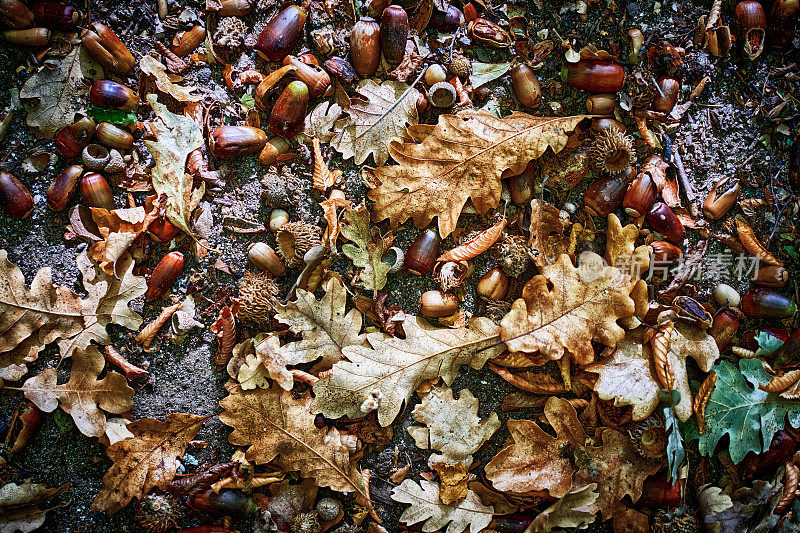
x=234, y=8
x=71, y=140
x=771, y=276
x=640, y=196
x=281, y=33
x=521, y=186
x=14, y=14
x=493, y=285
x=287, y=117
x=275, y=147
x=317, y=80
x=113, y=136
x=526, y=85
x=96, y=192
x=781, y=22
x=724, y=327
x=437, y=304
x=761, y=302
x=28, y=37
x=113, y=95
x=164, y=275
x=670, y=88
x=394, y=34
x=263, y=257
x=664, y=220
x=365, y=46
x=752, y=27
x=601, y=104
x=63, y=188
x=57, y=16
x=234, y=141
x=605, y=195
x=595, y=76
x=422, y=254
x=447, y=21
x=162, y=230
x=15, y=198
x=104, y=45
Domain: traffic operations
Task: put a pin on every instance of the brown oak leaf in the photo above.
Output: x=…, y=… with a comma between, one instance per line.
x=22, y=507
x=149, y=459
x=118, y=228
x=462, y=157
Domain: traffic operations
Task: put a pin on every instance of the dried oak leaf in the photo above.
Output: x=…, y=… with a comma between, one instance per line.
x=153, y=67
x=748, y=509
x=60, y=91
x=256, y=359
x=424, y=501
x=368, y=249
x=548, y=240
x=84, y=396
x=571, y=512
x=462, y=157
x=31, y=319
x=118, y=229
x=273, y=424
x=149, y=459
x=20, y=506
x=320, y=121
x=621, y=249
x=376, y=116
x=391, y=369
x=176, y=137
x=582, y=306
x=628, y=376
x=323, y=177
x=326, y=325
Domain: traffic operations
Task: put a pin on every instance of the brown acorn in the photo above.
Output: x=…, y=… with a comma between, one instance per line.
x=341, y=70
x=666, y=222
x=28, y=37
x=422, y=254
x=447, y=21
x=771, y=276
x=104, y=45
x=71, y=140
x=725, y=325
x=15, y=198
x=287, y=117
x=596, y=76
x=640, y=196
x=275, y=147
x=263, y=257
x=665, y=252
x=313, y=76
x=605, y=195
x=14, y=14
x=394, y=34
x=113, y=95
x=281, y=33
x=365, y=46
x=96, y=192
x=164, y=275
x=601, y=104
x=113, y=136
x=493, y=285
x=233, y=141
x=782, y=21
x=752, y=27
x=57, y=16
x=234, y=8
x=521, y=186
x=162, y=230
x=670, y=88
x=437, y=304
x=187, y=42
x=63, y=187
x=526, y=86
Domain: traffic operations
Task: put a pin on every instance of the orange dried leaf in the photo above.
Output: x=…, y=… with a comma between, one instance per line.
x=782, y=382
x=753, y=246
x=225, y=329
x=701, y=400
x=475, y=246
x=323, y=177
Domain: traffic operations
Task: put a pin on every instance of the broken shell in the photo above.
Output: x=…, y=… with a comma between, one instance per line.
x=753, y=24
x=95, y=157
x=397, y=262
x=488, y=33
x=715, y=207
x=263, y=257
x=451, y=274
x=690, y=309
x=116, y=163
x=442, y=95
x=437, y=304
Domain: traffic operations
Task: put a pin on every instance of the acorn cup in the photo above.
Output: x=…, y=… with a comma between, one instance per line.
x=288, y=115
x=113, y=95
x=365, y=46
x=596, y=76
x=164, y=275
x=281, y=33
x=234, y=141
x=394, y=34
x=15, y=198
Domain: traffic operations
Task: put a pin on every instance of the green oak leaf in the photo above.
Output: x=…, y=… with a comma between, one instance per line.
x=676, y=453
x=767, y=344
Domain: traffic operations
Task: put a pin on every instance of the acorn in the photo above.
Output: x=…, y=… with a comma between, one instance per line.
x=277, y=219
x=771, y=276
x=287, y=117
x=658, y=492
x=281, y=33
x=493, y=285
x=666, y=222
x=57, y=16
x=63, y=188
x=595, y=76
x=234, y=8
x=14, y=14
x=434, y=74
x=422, y=104
x=526, y=86
x=71, y=140
x=726, y=296
x=752, y=27
x=96, y=192
x=603, y=124
x=164, y=275
x=113, y=136
x=162, y=230
x=716, y=206
x=104, y=45
x=436, y=304
x=113, y=95
x=781, y=22
x=521, y=186
x=15, y=198
x=422, y=254
x=665, y=252
x=447, y=21
x=365, y=46
x=233, y=141
x=724, y=328
x=442, y=95
x=692, y=311
x=263, y=257
x=640, y=196
x=187, y=42
x=28, y=37
x=313, y=76
x=601, y=104
x=605, y=195
x=227, y=502
x=670, y=88
x=341, y=70
x=273, y=149
x=761, y=302
x=394, y=34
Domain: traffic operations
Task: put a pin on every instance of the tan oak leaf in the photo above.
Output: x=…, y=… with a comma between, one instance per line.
x=118, y=228
x=569, y=513
x=153, y=67
x=423, y=499
x=22, y=507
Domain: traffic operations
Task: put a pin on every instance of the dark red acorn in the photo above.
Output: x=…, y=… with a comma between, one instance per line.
x=670, y=87
x=14, y=14
x=605, y=195
x=723, y=328
x=288, y=115
x=658, y=492
x=233, y=141
x=56, y=16
x=447, y=21
x=752, y=27
x=365, y=46
x=760, y=302
x=394, y=34
x=72, y=139
x=113, y=95
x=96, y=192
x=164, y=275
x=422, y=254
x=782, y=21
x=15, y=197
x=596, y=76
x=281, y=33
x=162, y=230
x=640, y=196
x=64, y=187
x=664, y=220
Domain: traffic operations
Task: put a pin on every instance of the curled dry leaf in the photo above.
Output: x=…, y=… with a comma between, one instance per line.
x=751, y=243
x=153, y=67
x=475, y=246
x=84, y=396
x=224, y=327
x=462, y=157
x=571, y=511
x=149, y=332
x=745, y=509
x=22, y=507
x=368, y=249
x=581, y=307
x=391, y=368
x=320, y=121
x=547, y=241
x=149, y=459
x=118, y=229
x=425, y=506
x=323, y=177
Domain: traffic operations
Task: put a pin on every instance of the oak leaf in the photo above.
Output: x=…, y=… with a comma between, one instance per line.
x=153, y=67
x=21, y=506
x=149, y=459
x=368, y=249
x=84, y=396
x=377, y=115
x=60, y=91
x=568, y=513
x=320, y=121
x=548, y=240
x=582, y=307
x=462, y=157
x=118, y=229
x=273, y=424
x=390, y=369
x=425, y=506
x=256, y=359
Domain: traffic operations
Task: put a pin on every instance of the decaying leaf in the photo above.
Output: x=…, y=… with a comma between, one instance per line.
x=483, y=73
x=320, y=121
x=21, y=506
x=463, y=157
x=326, y=325
x=570, y=512
x=60, y=91
x=385, y=374
x=176, y=137
x=274, y=425
x=368, y=249
x=256, y=359
x=118, y=229
x=31, y=319
x=425, y=506
x=748, y=509
x=153, y=67
x=621, y=249
x=149, y=459
x=582, y=306
x=84, y=396
x=379, y=114
x=548, y=240
x=323, y=177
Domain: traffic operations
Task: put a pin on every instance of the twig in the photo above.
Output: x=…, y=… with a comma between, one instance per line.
x=686, y=183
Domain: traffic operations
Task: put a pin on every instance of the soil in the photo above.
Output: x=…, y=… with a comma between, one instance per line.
x=720, y=138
